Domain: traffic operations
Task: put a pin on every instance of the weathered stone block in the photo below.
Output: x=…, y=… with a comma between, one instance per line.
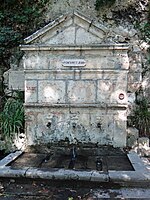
x=65, y=36
x=104, y=53
x=84, y=37
x=81, y=91
x=99, y=62
x=51, y=36
x=132, y=137
x=16, y=80
x=51, y=91
x=31, y=91
x=81, y=22
x=131, y=98
x=143, y=142
x=120, y=135
x=104, y=91
x=35, y=61
x=133, y=87
x=135, y=67
x=109, y=91
x=38, y=75
x=64, y=74
x=134, y=77
x=95, y=30
x=110, y=75
x=123, y=61
x=91, y=75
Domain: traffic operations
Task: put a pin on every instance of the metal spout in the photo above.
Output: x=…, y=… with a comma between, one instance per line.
x=49, y=125
x=99, y=164
x=73, y=154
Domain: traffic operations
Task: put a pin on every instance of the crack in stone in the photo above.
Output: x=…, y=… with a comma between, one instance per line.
x=26, y=171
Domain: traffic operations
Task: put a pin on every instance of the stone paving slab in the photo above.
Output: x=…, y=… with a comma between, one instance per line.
x=122, y=193
x=14, y=189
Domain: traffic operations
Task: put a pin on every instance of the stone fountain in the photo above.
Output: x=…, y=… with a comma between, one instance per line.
x=75, y=85
x=76, y=79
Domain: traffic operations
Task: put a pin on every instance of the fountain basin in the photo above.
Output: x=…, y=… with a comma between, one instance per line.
x=114, y=170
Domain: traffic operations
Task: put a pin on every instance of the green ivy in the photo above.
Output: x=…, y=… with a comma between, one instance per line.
x=18, y=19
x=102, y=3
x=145, y=30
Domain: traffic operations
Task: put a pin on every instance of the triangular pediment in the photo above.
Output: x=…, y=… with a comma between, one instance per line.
x=71, y=29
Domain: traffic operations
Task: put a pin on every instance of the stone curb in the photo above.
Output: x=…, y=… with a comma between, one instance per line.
x=62, y=174
x=54, y=174
x=140, y=175
x=12, y=173
x=129, y=176
x=11, y=157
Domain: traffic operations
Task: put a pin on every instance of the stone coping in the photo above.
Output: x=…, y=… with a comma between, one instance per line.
x=98, y=105
x=40, y=47
x=140, y=176
x=85, y=70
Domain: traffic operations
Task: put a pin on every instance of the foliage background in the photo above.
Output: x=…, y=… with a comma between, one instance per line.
x=18, y=19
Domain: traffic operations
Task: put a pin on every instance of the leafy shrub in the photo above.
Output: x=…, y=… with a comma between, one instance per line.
x=12, y=119
x=141, y=118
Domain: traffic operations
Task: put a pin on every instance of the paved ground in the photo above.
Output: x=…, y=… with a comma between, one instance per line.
x=11, y=189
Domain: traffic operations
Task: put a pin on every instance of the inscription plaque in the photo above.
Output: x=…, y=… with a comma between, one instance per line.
x=74, y=63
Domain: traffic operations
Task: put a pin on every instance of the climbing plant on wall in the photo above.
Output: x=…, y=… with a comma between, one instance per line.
x=18, y=18
x=145, y=33
x=101, y=3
